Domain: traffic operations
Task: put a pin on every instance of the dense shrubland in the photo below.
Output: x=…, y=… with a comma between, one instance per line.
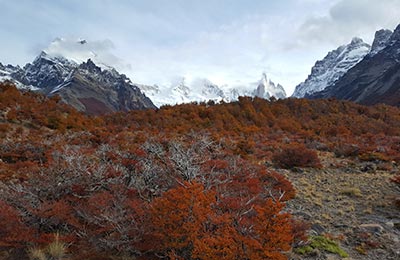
x=183, y=182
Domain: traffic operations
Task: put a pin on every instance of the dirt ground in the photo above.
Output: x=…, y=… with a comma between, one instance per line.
x=353, y=203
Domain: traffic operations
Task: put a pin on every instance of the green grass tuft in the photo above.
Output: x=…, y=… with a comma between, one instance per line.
x=322, y=243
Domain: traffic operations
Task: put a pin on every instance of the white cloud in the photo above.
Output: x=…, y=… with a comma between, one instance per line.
x=80, y=50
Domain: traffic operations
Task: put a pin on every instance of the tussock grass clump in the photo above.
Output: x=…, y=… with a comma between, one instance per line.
x=352, y=192
x=56, y=250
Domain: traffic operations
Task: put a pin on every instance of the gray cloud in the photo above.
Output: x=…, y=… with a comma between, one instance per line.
x=349, y=18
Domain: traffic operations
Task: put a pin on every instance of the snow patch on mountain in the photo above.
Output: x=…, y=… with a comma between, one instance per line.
x=328, y=70
x=6, y=74
x=63, y=84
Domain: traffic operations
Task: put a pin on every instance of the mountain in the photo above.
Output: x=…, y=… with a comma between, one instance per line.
x=335, y=64
x=267, y=89
x=89, y=87
x=204, y=90
x=376, y=79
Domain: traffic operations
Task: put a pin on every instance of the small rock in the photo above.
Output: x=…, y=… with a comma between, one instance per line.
x=389, y=224
x=368, y=167
x=315, y=252
x=297, y=170
x=304, y=215
x=373, y=228
x=318, y=229
x=340, y=225
x=396, y=225
x=331, y=257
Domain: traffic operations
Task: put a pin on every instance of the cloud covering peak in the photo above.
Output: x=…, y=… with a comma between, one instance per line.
x=80, y=50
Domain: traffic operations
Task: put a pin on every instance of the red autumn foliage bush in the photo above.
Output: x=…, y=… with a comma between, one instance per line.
x=188, y=222
x=296, y=155
x=13, y=232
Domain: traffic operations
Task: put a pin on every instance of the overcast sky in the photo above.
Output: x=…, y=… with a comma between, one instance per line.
x=227, y=41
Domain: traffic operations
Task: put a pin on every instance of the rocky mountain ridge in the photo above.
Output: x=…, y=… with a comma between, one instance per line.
x=333, y=66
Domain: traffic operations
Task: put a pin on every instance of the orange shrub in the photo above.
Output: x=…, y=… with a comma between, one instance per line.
x=346, y=150
x=296, y=155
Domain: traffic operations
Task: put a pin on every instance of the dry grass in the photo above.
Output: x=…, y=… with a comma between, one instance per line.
x=57, y=249
x=37, y=254
x=352, y=192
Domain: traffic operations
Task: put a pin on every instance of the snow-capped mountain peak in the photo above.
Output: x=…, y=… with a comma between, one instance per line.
x=335, y=64
x=44, y=56
x=46, y=70
x=266, y=89
x=201, y=89
x=181, y=89
x=210, y=89
x=90, y=66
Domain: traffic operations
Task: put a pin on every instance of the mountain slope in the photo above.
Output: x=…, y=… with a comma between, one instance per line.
x=95, y=91
x=376, y=79
x=328, y=70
